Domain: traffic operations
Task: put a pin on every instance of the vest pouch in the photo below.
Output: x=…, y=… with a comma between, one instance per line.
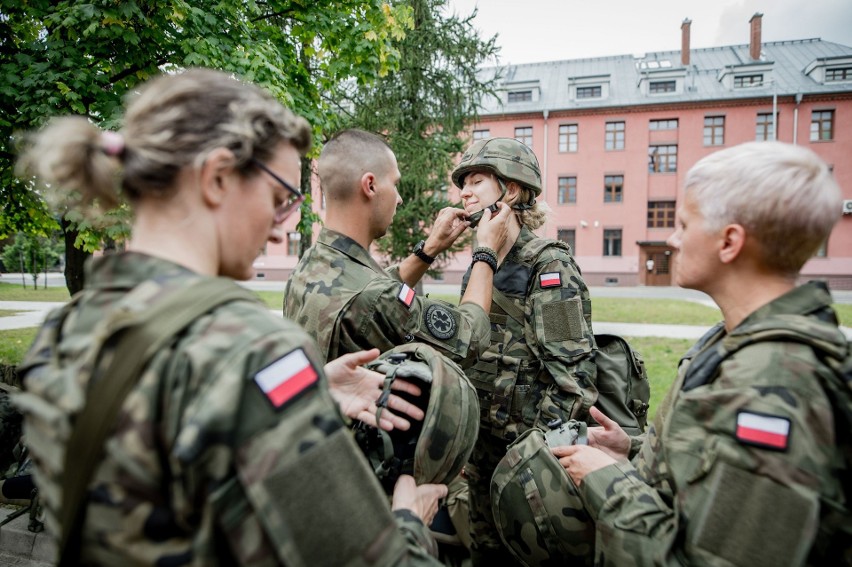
x=495, y=377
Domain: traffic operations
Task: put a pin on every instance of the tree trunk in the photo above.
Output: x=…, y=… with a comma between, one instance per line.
x=74, y=260
x=307, y=230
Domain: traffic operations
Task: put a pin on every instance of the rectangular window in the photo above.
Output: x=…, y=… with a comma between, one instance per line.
x=662, y=159
x=822, y=251
x=568, y=236
x=520, y=96
x=481, y=134
x=613, y=188
x=524, y=135
x=568, y=137
x=655, y=87
x=668, y=124
x=567, y=190
x=612, y=242
x=765, y=128
x=822, y=125
x=293, y=240
x=589, y=92
x=745, y=81
x=614, y=136
x=661, y=214
x=838, y=74
x=714, y=130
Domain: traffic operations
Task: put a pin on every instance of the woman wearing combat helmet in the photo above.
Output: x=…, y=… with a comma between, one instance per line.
x=539, y=367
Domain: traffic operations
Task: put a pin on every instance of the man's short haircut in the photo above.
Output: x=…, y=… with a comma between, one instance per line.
x=783, y=195
x=346, y=157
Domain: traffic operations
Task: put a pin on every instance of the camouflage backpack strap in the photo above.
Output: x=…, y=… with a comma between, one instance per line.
x=137, y=337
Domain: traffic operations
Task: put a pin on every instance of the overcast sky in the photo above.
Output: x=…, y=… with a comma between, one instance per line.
x=549, y=30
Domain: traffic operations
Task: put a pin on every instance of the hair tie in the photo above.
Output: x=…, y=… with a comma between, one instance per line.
x=112, y=143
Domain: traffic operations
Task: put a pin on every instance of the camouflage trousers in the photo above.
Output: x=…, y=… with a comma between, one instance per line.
x=487, y=548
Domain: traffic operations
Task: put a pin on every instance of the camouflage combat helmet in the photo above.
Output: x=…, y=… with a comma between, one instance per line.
x=507, y=158
x=537, y=508
x=435, y=449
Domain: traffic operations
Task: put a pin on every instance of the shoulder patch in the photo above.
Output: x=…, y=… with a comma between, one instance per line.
x=550, y=279
x=286, y=378
x=440, y=322
x=761, y=430
x=405, y=295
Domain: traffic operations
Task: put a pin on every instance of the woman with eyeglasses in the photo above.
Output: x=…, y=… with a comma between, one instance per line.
x=230, y=446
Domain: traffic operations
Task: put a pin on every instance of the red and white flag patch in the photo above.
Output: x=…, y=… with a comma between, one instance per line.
x=406, y=295
x=770, y=431
x=286, y=378
x=550, y=279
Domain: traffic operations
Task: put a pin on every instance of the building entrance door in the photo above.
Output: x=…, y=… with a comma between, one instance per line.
x=657, y=264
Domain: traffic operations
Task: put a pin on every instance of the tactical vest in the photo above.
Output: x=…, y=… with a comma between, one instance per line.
x=509, y=376
x=511, y=380
x=834, y=542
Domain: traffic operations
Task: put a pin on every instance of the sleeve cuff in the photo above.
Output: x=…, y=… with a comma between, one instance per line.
x=597, y=487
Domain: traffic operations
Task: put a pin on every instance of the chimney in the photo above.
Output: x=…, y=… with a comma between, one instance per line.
x=754, y=41
x=684, y=42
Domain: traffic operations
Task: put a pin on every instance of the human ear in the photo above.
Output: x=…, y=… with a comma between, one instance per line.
x=732, y=243
x=367, y=185
x=216, y=176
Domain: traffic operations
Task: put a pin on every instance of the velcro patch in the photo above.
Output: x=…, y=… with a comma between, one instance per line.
x=440, y=322
x=405, y=295
x=550, y=279
x=286, y=378
x=768, y=431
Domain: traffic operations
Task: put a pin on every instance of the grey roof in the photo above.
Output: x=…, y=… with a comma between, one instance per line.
x=784, y=64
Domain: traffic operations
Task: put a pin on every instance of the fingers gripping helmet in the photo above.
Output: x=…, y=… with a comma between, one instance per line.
x=536, y=506
x=507, y=158
x=433, y=450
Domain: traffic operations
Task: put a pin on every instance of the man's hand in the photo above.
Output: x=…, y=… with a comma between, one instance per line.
x=422, y=500
x=610, y=438
x=448, y=225
x=356, y=390
x=580, y=460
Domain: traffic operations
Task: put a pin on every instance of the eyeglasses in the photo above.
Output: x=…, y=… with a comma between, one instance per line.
x=296, y=197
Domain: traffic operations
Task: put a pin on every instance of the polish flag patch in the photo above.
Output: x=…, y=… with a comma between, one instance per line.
x=550, y=279
x=286, y=378
x=769, y=431
x=405, y=295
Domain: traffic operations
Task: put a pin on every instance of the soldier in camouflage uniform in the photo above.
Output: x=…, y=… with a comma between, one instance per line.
x=217, y=457
x=741, y=465
x=346, y=300
x=540, y=365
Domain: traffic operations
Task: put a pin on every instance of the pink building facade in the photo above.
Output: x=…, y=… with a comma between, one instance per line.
x=615, y=137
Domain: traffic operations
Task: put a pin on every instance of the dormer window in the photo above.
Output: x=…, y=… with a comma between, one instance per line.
x=589, y=92
x=833, y=74
x=656, y=87
x=745, y=81
x=520, y=96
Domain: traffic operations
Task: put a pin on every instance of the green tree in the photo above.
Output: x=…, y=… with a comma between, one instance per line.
x=423, y=108
x=82, y=57
x=32, y=255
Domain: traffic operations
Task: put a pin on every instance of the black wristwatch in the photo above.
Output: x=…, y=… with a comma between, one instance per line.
x=418, y=251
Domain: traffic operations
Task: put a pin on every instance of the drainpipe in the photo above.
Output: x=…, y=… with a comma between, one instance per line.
x=774, y=110
x=545, y=114
x=796, y=119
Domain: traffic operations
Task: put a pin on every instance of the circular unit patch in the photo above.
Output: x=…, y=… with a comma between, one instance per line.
x=440, y=322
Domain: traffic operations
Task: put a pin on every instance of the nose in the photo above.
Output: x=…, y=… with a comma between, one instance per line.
x=674, y=240
x=465, y=192
x=276, y=234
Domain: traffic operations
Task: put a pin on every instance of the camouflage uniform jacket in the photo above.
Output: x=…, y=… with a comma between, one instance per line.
x=540, y=368
x=207, y=464
x=342, y=297
x=736, y=471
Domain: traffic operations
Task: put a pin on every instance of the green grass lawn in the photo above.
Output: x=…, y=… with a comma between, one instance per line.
x=16, y=292
x=272, y=299
x=14, y=344
x=8, y=313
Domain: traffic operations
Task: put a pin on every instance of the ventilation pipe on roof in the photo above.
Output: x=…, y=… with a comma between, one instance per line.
x=754, y=41
x=684, y=42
